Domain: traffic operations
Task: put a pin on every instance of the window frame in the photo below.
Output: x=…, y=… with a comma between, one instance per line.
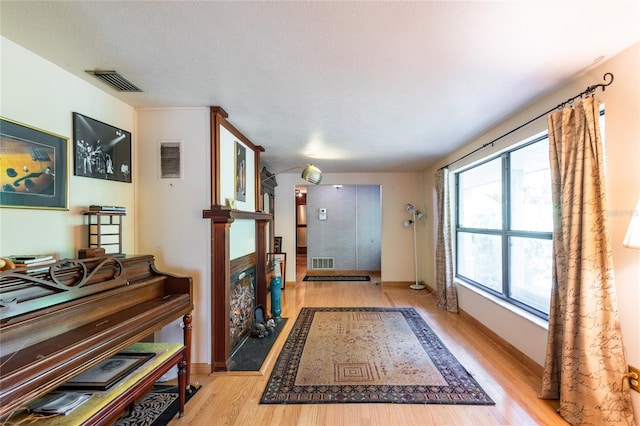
x=505, y=232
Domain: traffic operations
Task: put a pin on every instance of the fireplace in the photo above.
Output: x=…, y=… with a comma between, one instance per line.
x=241, y=305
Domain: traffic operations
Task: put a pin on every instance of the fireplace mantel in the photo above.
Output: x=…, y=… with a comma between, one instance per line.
x=222, y=218
x=222, y=214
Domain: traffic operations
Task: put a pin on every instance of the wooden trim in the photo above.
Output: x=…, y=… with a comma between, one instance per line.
x=201, y=368
x=217, y=114
x=397, y=283
x=533, y=366
x=261, y=262
x=255, y=148
x=243, y=263
x=220, y=277
x=257, y=194
x=221, y=214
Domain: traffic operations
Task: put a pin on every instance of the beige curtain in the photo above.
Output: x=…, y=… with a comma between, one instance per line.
x=446, y=297
x=585, y=360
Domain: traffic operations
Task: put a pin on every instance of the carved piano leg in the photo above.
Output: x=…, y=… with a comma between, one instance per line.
x=182, y=383
x=186, y=321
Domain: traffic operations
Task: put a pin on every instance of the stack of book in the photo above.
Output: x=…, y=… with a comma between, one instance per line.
x=109, y=209
x=32, y=260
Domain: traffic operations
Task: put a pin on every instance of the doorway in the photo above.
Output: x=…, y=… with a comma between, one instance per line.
x=338, y=227
x=301, y=220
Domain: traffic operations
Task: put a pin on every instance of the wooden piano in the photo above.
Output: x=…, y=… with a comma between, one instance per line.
x=59, y=321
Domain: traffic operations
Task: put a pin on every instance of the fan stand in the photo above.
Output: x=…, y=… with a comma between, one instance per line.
x=416, y=285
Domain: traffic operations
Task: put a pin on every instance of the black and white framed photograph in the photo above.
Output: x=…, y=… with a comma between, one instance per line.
x=277, y=244
x=241, y=172
x=108, y=372
x=171, y=162
x=34, y=167
x=101, y=151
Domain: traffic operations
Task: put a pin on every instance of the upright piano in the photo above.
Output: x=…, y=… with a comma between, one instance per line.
x=63, y=319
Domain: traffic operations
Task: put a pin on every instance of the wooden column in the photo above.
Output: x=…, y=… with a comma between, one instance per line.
x=261, y=262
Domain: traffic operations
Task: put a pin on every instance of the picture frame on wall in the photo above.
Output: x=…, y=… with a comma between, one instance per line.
x=240, y=172
x=100, y=150
x=34, y=167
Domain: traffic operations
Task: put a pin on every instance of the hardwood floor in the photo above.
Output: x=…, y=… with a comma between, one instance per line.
x=233, y=398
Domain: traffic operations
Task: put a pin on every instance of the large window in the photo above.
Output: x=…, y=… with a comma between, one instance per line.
x=504, y=226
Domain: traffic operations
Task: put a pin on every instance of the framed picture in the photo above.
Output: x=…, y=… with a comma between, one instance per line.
x=108, y=372
x=277, y=244
x=171, y=161
x=101, y=151
x=282, y=257
x=34, y=167
x=241, y=172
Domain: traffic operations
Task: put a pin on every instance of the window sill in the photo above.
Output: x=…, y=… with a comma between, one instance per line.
x=508, y=306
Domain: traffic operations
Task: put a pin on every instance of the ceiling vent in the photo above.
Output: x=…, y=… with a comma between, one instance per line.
x=115, y=80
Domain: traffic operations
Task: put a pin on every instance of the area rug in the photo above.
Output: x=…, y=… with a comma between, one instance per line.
x=253, y=351
x=156, y=408
x=336, y=278
x=380, y=355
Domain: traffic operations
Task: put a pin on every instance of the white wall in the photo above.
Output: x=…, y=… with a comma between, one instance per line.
x=398, y=189
x=170, y=223
x=622, y=139
x=42, y=95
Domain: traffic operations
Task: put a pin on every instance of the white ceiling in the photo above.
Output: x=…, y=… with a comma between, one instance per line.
x=348, y=86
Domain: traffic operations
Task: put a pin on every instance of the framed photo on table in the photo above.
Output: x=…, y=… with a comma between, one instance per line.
x=34, y=167
x=277, y=244
x=108, y=372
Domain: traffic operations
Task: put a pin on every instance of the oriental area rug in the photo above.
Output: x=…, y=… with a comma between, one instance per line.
x=360, y=355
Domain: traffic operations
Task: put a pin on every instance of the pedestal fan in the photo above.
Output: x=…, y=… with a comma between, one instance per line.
x=411, y=223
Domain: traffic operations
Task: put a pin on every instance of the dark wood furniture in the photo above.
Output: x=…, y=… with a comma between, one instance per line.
x=59, y=321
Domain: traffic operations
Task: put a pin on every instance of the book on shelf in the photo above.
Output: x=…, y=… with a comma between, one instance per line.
x=114, y=209
x=32, y=259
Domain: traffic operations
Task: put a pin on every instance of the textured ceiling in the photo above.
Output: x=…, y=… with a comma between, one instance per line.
x=349, y=86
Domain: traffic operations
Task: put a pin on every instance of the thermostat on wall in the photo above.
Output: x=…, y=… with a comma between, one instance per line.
x=322, y=214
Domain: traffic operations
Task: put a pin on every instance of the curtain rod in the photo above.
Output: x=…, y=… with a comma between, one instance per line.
x=589, y=90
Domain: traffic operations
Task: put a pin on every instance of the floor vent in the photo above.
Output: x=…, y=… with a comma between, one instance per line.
x=322, y=263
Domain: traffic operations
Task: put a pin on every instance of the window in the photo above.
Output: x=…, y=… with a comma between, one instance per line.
x=504, y=226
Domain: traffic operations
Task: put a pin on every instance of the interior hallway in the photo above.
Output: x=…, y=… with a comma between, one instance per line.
x=233, y=398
